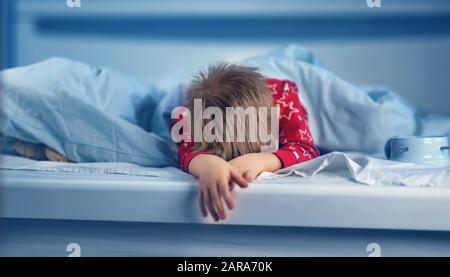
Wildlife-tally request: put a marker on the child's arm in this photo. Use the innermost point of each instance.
(215, 177)
(296, 142)
(251, 165)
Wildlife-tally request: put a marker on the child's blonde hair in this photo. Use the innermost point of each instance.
(229, 85)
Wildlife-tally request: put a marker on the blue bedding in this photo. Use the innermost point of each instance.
(89, 114)
(100, 115)
(344, 116)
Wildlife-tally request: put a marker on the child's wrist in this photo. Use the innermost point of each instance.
(194, 166)
(201, 164)
(270, 162)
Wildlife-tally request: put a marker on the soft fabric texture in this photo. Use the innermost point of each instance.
(358, 167)
(342, 116)
(11, 162)
(99, 115)
(369, 170)
(88, 114)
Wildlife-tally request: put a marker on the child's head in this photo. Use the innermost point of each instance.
(230, 85)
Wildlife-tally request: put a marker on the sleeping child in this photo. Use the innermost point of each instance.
(65, 110)
(220, 164)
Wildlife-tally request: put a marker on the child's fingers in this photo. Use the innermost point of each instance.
(232, 185)
(238, 179)
(249, 176)
(201, 200)
(226, 194)
(217, 201)
(209, 205)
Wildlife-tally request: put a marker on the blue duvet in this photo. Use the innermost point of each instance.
(97, 114)
(89, 114)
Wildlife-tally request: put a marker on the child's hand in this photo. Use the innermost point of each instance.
(216, 177)
(251, 165)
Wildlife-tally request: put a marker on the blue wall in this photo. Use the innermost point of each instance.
(403, 45)
(6, 47)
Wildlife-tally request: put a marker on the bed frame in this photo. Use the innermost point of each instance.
(128, 215)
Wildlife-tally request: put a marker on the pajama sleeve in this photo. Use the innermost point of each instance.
(185, 148)
(186, 154)
(296, 142)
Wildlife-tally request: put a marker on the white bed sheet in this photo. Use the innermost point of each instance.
(360, 167)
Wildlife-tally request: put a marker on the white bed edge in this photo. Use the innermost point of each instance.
(326, 200)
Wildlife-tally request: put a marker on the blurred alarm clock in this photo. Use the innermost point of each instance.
(434, 150)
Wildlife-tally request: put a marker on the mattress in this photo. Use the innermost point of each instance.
(329, 199)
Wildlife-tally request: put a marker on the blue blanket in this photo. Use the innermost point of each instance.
(88, 114)
(97, 114)
(343, 116)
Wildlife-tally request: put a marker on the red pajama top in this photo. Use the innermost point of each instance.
(296, 142)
